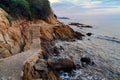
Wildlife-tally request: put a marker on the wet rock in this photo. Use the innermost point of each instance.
(86, 61)
(61, 64)
(76, 24)
(56, 50)
(61, 48)
(86, 26)
(88, 38)
(88, 34)
(80, 25)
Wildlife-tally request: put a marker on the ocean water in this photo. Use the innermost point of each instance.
(103, 47)
(107, 27)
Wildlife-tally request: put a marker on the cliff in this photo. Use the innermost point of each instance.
(17, 36)
(14, 38)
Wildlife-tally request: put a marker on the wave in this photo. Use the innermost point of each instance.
(113, 39)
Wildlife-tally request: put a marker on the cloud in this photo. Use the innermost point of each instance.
(90, 4)
(54, 1)
(97, 12)
(86, 7)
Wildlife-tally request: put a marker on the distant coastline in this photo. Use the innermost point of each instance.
(63, 18)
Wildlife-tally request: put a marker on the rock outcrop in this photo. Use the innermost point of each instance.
(50, 33)
(80, 25)
(41, 66)
(13, 38)
(61, 64)
(16, 36)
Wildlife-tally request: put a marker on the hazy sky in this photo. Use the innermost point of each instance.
(87, 8)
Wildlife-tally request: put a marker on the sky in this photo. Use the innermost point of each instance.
(87, 8)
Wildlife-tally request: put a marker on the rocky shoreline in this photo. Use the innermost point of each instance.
(61, 55)
(47, 68)
(19, 36)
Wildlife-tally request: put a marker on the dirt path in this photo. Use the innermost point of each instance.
(11, 67)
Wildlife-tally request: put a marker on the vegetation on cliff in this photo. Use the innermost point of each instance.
(28, 9)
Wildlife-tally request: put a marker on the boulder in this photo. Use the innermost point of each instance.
(40, 69)
(36, 68)
(86, 61)
(88, 34)
(61, 64)
(40, 65)
(86, 26)
(76, 24)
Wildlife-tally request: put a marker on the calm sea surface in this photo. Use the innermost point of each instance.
(107, 27)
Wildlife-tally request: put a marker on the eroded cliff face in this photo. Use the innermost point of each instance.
(42, 66)
(14, 37)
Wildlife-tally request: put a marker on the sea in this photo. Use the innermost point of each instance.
(103, 48)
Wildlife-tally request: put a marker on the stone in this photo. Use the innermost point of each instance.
(88, 34)
(80, 25)
(40, 65)
(86, 61)
(56, 50)
(76, 24)
(61, 64)
(86, 26)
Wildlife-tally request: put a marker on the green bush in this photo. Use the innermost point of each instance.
(26, 8)
(40, 8)
(23, 7)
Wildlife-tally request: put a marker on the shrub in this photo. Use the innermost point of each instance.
(26, 8)
(16, 8)
(40, 8)
(23, 8)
